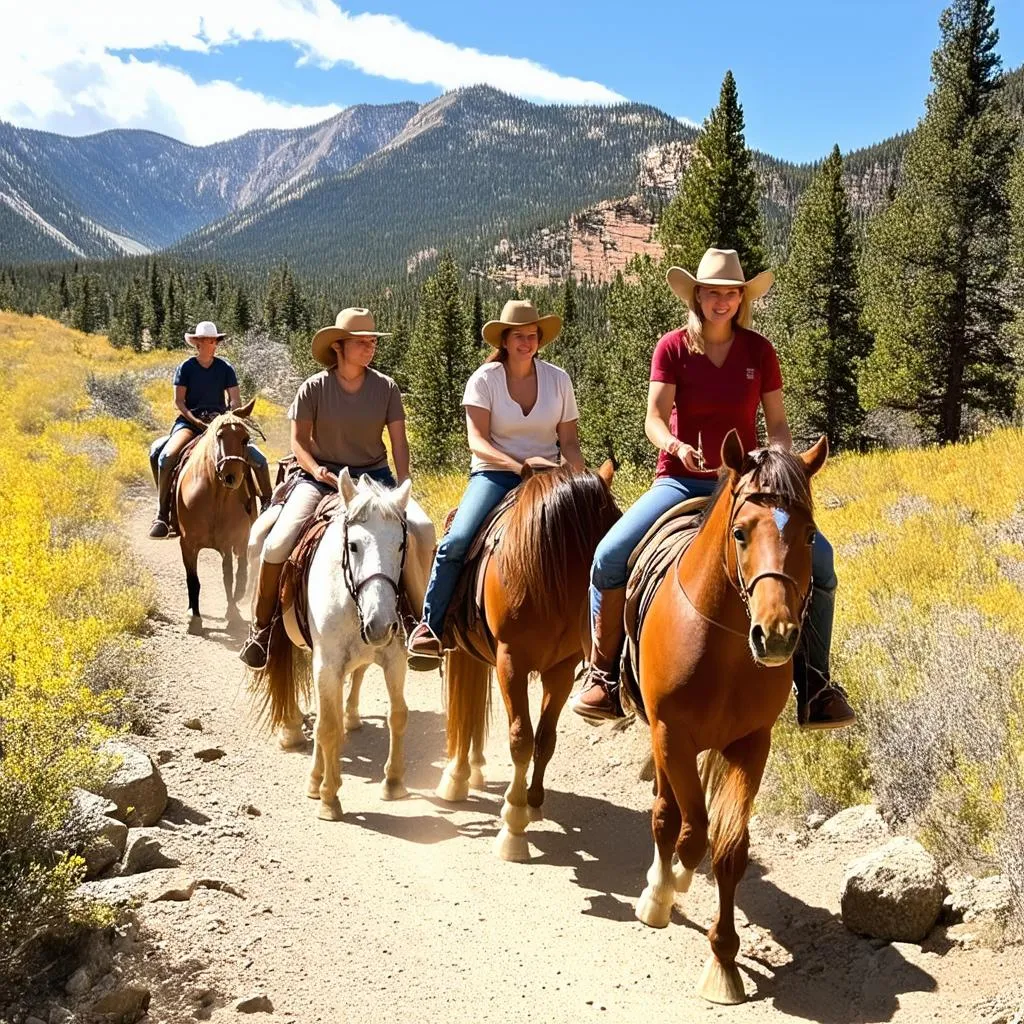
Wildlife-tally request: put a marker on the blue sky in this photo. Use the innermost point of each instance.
(809, 73)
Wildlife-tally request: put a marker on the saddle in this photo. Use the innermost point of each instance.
(652, 559)
(249, 483)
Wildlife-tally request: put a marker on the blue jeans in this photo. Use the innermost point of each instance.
(609, 570)
(483, 493)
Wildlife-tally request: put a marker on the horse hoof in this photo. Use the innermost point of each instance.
(393, 789)
(313, 789)
(512, 846)
(352, 723)
(292, 739)
(330, 810)
(651, 911)
(476, 779)
(721, 983)
(682, 877)
(452, 790)
(516, 818)
(195, 626)
(536, 813)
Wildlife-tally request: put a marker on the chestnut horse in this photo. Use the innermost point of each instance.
(535, 607)
(735, 600)
(215, 508)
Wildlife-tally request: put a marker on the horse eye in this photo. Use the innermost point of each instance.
(811, 536)
(353, 546)
(740, 536)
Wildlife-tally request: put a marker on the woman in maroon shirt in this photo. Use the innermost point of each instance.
(706, 379)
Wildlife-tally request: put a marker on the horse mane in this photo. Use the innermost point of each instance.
(773, 470)
(372, 498)
(552, 533)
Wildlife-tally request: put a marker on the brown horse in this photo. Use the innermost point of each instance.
(735, 600)
(215, 507)
(535, 607)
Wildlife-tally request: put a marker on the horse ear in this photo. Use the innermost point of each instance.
(815, 456)
(400, 496)
(245, 411)
(346, 488)
(607, 472)
(732, 452)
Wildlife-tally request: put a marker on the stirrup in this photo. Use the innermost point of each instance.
(160, 528)
(256, 649)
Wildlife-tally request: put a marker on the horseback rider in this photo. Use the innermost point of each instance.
(338, 420)
(706, 379)
(204, 387)
(518, 407)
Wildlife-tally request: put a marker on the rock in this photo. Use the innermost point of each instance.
(101, 839)
(985, 900)
(59, 1015)
(150, 887)
(165, 756)
(34, 1020)
(251, 810)
(862, 823)
(79, 983)
(144, 852)
(254, 1004)
(136, 786)
(122, 1006)
(893, 893)
(209, 754)
(815, 820)
(193, 723)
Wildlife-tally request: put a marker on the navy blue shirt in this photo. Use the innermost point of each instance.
(205, 387)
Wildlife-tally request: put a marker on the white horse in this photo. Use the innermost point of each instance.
(354, 621)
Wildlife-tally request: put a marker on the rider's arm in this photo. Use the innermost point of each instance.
(478, 427)
(179, 403)
(234, 397)
(569, 443)
(660, 397)
(399, 449)
(302, 443)
(775, 419)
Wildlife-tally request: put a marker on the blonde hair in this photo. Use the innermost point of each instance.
(695, 321)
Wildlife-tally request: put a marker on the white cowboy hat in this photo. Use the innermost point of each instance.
(521, 313)
(353, 322)
(204, 329)
(718, 267)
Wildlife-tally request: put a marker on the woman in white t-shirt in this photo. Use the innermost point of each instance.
(518, 407)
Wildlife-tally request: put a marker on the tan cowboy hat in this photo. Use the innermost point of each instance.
(718, 267)
(353, 322)
(204, 329)
(521, 313)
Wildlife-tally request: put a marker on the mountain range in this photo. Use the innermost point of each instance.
(527, 191)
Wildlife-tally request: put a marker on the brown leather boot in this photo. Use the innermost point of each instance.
(598, 700)
(161, 525)
(820, 703)
(254, 650)
(263, 485)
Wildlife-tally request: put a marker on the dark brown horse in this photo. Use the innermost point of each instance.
(215, 507)
(535, 606)
(715, 672)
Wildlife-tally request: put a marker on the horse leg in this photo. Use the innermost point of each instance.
(511, 843)
(678, 822)
(228, 572)
(557, 683)
(467, 685)
(352, 719)
(395, 666)
(241, 584)
(731, 804)
(477, 761)
(190, 559)
(328, 740)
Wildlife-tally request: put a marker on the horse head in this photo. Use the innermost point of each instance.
(771, 533)
(230, 439)
(374, 535)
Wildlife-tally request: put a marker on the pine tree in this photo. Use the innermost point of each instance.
(816, 316)
(717, 202)
(936, 260)
(155, 304)
(175, 317)
(64, 295)
(83, 304)
(126, 328)
(477, 322)
(1016, 276)
(441, 358)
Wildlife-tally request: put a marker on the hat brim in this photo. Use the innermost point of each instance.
(193, 338)
(682, 282)
(550, 327)
(320, 347)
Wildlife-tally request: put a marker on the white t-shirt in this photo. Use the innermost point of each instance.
(522, 437)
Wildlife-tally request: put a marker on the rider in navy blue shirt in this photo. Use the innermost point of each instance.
(204, 386)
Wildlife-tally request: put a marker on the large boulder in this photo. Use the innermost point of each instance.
(99, 838)
(859, 824)
(136, 785)
(893, 893)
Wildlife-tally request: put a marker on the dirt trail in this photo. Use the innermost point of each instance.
(402, 913)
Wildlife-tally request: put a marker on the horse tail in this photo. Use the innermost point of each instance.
(729, 801)
(276, 686)
(467, 696)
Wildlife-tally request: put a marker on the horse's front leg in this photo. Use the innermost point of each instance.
(557, 682)
(190, 559)
(328, 738)
(228, 572)
(514, 676)
(241, 584)
(395, 665)
(352, 719)
(730, 809)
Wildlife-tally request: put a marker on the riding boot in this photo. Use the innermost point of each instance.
(255, 649)
(263, 485)
(598, 700)
(820, 703)
(161, 525)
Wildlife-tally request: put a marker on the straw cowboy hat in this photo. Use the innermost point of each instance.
(353, 322)
(521, 313)
(718, 267)
(204, 329)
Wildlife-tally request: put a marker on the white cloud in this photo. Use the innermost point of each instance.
(58, 71)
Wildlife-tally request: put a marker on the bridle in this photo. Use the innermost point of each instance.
(354, 588)
(222, 459)
(743, 587)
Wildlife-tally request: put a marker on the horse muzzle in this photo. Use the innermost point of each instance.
(774, 645)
